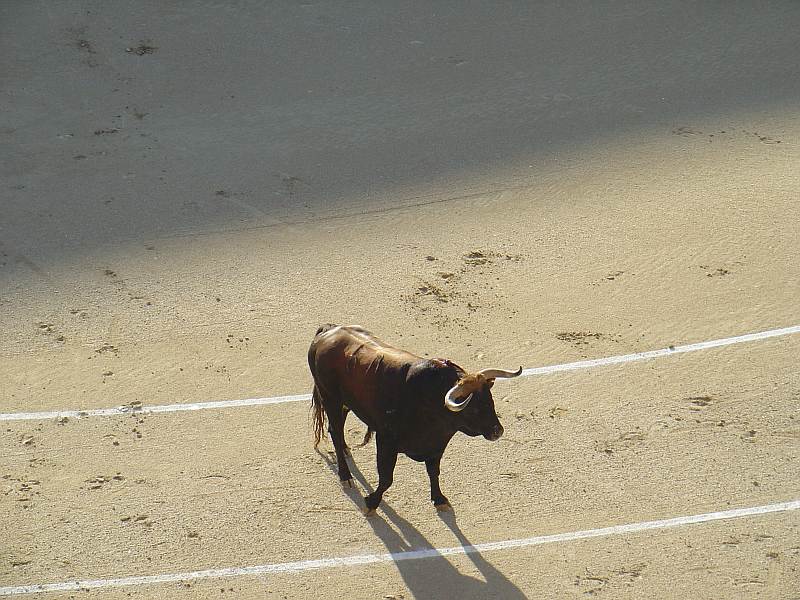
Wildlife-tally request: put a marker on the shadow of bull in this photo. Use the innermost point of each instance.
(430, 576)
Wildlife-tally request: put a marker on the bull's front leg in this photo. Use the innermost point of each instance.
(387, 459)
(437, 497)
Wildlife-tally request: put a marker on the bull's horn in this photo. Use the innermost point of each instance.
(450, 403)
(499, 373)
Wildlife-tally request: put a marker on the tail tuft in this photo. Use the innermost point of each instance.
(367, 438)
(318, 417)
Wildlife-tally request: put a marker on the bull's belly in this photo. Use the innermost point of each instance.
(420, 452)
(419, 457)
(419, 440)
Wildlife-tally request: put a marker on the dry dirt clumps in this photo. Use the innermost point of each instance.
(455, 292)
(584, 338)
(144, 47)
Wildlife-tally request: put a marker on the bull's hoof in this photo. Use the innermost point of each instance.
(368, 512)
(445, 507)
(348, 483)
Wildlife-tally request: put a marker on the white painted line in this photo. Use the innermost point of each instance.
(613, 360)
(583, 364)
(144, 409)
(366, 559)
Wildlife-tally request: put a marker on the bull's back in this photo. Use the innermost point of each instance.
(350, 362)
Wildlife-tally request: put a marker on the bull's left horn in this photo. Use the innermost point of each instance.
(499, 373)
(450, 403)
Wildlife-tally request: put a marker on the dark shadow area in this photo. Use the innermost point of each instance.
(125, 122)
(431, 576)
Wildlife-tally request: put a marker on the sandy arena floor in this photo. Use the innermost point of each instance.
(189, 190)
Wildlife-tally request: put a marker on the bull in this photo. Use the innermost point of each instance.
(413, 405)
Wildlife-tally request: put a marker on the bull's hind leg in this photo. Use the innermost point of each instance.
(336, 416)
(345, 412)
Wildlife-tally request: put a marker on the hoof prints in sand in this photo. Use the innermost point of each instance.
(452, 293)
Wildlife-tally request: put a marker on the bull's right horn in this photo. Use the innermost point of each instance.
(499, 373)
(452, 404)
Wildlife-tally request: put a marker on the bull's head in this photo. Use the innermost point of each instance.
(471, 396)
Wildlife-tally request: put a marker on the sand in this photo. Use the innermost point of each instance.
(189, 191)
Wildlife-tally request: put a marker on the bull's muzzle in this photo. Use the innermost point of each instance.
(495, 434)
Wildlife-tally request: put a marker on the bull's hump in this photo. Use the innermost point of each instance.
(445, 364)
(434, 371)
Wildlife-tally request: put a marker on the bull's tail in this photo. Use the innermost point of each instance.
(317, 416)
(317, 409)
(367, 437)
(324, 328)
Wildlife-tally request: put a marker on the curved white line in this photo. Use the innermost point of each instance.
(583, 364)
(365, 559)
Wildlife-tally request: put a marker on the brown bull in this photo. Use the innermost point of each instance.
(414, 405)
